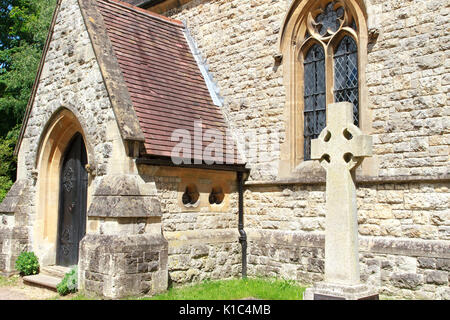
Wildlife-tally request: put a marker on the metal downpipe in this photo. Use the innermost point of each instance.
(242, 234)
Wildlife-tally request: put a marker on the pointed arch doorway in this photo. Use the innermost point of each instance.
(72, 202)
(63, 190)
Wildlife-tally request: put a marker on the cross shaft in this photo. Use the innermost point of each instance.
(341, 147)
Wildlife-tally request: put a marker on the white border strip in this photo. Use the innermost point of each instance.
(201, 62)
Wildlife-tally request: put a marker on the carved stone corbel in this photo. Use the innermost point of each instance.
(91, 170)
(373, 34)
(278, 57)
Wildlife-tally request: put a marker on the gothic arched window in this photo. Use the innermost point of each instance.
(329, 52)
(323, 46)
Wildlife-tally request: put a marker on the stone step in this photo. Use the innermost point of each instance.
(42, 280)
(54, 271)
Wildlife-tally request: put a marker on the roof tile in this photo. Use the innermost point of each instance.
(165, 83)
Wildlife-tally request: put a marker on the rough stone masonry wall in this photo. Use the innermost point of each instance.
(408, 82)
(408, 87)
(203, 241)
(239, 39)
(407, 77)
(71, 79)
(113, 265)
(286, 224)
(414, 211)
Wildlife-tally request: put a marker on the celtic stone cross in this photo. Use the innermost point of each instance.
(341, 147)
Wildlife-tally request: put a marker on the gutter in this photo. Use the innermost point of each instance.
(169, 163)
(147, 3)
(240, 171)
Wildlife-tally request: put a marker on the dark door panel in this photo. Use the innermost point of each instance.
(72, 202)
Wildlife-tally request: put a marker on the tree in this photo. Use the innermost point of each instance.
(23, 32)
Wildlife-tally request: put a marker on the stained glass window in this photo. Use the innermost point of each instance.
(329, 20)
(328, 62)
(314, 82)
(346, 74)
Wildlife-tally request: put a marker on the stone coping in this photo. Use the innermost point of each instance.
(125, 207)
(13, 197)
(120, 98)
(381, 245)
(209, 236)
(360, 180)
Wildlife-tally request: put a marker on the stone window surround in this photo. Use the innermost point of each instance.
(292, 45)
(192, 196)
(217, 195)
(204, 182)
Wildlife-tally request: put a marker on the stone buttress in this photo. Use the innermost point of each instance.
(127, 255)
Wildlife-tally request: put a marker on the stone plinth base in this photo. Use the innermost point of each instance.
(14, 238)
(116, 266)
(330, 291)
(13, 241)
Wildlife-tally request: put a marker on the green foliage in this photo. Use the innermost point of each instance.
(31, 20)
(25, 28)
(27, 264)
(5, 185)
(16, 84)
(23, 31)
(7, 161)
(69, 284)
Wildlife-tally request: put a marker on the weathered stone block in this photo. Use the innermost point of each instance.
(426, 263)
(443, 264)
(316, 265)
(124, 196)
(15, 197)
(124, 207)
(115, 261)
(199, 251)
(387, 265)
(407, 280)
(14, 241)
(124, 185)
(436, 277)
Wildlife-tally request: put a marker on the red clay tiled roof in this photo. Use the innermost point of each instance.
(166, 86)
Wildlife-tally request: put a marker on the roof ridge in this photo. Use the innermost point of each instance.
(146, 12)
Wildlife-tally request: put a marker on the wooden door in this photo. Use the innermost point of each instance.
(72, 202)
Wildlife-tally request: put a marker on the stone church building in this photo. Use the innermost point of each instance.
(169, 141)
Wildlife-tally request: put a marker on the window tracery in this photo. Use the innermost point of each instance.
(329, 52)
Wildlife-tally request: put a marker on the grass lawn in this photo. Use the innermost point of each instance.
(259, 288)
(8, 281)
